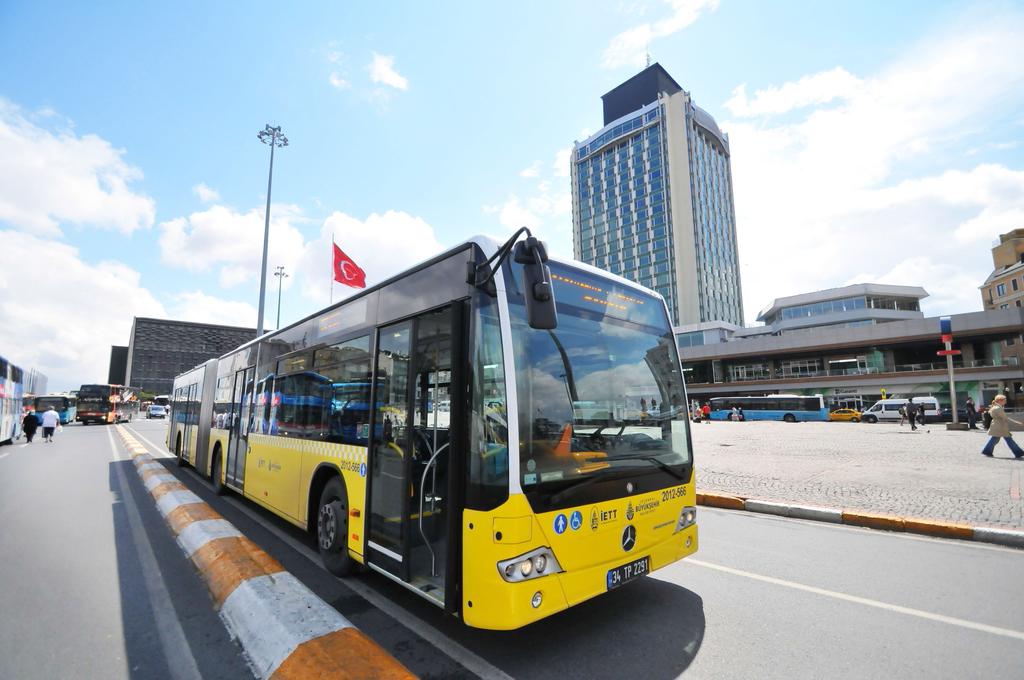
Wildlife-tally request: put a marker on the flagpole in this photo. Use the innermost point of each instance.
(332, 267)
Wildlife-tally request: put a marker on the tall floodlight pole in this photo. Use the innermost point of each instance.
(273, 137)
(281, 276)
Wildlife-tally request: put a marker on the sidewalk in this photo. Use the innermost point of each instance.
(932, 473)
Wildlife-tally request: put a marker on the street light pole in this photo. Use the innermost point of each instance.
(281, 276)
(271, 136)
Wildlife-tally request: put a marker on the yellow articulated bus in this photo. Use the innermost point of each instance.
(503, 434)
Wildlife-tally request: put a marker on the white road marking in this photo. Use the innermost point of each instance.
(951, 620)
(272, 615)
(199, 533)
(899, 535)
(157, 451)
(4, 455)
(178, 655)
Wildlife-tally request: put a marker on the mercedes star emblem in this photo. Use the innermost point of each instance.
(628, 537)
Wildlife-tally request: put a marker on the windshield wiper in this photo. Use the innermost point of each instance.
(607, 473)
(654, 459)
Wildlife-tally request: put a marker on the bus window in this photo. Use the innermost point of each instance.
(488, 447)
(345, 368)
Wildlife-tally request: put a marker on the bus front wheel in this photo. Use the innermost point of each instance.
(332, 529)
(177, 452)
(789, 418)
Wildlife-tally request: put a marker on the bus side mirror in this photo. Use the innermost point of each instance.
(541, 312)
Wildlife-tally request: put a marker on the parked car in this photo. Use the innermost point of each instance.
(845, 415)
(156, 411)
(946, 415)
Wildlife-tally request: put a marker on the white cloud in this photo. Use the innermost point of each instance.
(949, 286)
(205, 193)
(546, 210)
(563, 159)
(629, 48)
(382, 245)
(220, 237)
(197, 306)
(820, 88)
(336, 58)
(532, 171)
(852, 180)
(382, 70)
(49, 178)
(64, 324)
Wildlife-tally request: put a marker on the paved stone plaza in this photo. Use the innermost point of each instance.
(932, 473)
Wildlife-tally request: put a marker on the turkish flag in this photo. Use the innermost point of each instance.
(346, 271)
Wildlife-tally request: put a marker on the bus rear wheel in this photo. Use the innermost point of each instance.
(789, 418)
(177, 451)
(332, 529)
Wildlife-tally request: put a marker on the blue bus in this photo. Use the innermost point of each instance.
(63, 404)
(790, 408)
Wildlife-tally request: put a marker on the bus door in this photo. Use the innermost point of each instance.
(411, 478)
(188, 423)
(241, 425)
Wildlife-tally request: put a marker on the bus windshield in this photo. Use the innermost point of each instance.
(601, 397)
(94, 398)
(58, 403)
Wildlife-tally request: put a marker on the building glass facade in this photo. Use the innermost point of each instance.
(670, 227)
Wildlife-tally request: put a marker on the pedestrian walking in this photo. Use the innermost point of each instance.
(739, 414)
(972, 414)
(734, 415)
(51, 419)
(911, 409)
(705, 411)
(1000, 428)
(29, 425)
(903, 415)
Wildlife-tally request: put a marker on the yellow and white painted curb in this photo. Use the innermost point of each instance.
(914, 525)
(284, 628)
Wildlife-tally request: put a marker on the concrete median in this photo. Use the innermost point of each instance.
(885, 522)
(285, 630)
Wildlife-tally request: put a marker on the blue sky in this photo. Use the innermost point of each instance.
(870, 141)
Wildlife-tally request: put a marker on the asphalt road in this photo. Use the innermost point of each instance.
(764, 597)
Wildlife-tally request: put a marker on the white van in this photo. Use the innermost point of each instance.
(889, 409)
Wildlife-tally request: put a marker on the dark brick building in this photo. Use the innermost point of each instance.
(160, 349)
(118, 365)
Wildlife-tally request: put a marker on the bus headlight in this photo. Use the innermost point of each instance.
(534, 564)
(687, 517)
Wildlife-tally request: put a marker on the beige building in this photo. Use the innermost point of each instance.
(1004, 289)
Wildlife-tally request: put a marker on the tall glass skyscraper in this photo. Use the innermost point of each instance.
(652, 199)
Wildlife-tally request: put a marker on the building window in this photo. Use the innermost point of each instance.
(1013, 284)
(1001, 289)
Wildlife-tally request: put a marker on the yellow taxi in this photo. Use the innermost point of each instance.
(845, 415)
